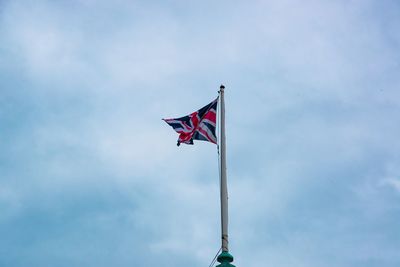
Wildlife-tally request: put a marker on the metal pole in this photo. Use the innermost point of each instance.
(224, 189)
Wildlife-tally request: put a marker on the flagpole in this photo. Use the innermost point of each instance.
(224, 258)
(224, 187)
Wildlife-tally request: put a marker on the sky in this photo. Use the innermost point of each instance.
(91, 176)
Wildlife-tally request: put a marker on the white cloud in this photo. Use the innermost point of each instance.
(392, 182)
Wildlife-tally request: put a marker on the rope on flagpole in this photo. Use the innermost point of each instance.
(215, 258)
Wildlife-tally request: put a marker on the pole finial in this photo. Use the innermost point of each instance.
(225, 260)
(222, 87)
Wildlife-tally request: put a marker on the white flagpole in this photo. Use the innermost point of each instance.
(223, 185)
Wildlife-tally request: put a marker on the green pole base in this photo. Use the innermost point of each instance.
(225, 260)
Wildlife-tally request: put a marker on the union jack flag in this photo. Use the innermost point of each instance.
(199, 125)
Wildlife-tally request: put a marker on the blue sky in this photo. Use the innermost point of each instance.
(91, 176)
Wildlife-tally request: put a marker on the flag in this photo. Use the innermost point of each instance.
(199, 125)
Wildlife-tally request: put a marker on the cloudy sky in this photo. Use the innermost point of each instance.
(91, 176)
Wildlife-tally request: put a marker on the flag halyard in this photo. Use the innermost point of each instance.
(199, 125)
